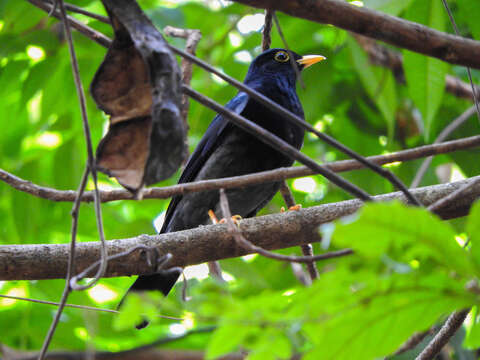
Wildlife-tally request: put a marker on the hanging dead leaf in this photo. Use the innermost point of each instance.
(138, 85)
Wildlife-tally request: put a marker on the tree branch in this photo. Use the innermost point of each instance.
(453, 323)
(210, 243)
(238, 181)
(387, 28)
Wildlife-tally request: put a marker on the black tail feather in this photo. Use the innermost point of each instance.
(162, 281)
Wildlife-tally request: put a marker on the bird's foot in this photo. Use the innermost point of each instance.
(235, 218)
(296, 207)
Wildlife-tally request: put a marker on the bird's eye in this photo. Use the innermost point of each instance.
(282, 56)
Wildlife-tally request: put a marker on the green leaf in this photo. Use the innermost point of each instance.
(472, 338)
(473, 232)
(378, 82)
(404, 234)
(130, 313)
(383, 315)
(227, 338)
(469, 12)
(425, 75)
(392, 7)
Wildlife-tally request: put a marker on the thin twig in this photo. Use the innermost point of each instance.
(75, 306)
(453, 196)
(441, 137)
(247, 245)
(93, 34)
(237, 181)
(214, 268)
(88, 140)
(70, 266)
(79, 10)
(307, 249)
(155, 264)
(267, 30)
(193, 37)
(298, 121)
(277, 143)
(469, 72)
(453, 323)
(293, 118)
(292, 60)
(90, 169)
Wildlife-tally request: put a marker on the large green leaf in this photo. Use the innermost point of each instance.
(378, 82)
(227, 338)
(469, 12)
(404, 234)
(383, 315)
(473, 233)
(426, 75)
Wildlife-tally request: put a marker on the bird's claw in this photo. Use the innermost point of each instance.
(295, 207)
(235, 218)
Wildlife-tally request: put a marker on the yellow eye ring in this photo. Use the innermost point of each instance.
(281, 56)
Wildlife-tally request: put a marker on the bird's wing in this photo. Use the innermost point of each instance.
(204, 149)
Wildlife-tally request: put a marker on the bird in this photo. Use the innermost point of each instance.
(226, 150)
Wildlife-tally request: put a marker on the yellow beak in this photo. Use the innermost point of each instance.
(309, 60)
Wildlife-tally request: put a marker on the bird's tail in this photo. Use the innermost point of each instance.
(162, 281)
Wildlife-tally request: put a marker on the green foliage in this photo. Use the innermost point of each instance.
(392, 7)
(378, 82)
(425, 75)
(408, 271)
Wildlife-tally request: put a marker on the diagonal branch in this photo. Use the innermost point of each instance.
(213, 242)
(453, 323)
(278, 144)
(237, 181)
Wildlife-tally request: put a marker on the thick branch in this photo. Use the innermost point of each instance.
(209, 243)
(227, 183)
(390, 29)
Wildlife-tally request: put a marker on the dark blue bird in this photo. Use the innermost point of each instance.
(226, 150)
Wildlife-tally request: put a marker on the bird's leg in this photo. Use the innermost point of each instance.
(295, 207)
(212, 216)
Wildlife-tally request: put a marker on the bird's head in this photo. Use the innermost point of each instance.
(280, 62)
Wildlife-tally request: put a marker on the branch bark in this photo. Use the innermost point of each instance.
(387, 28)
(210, 243)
